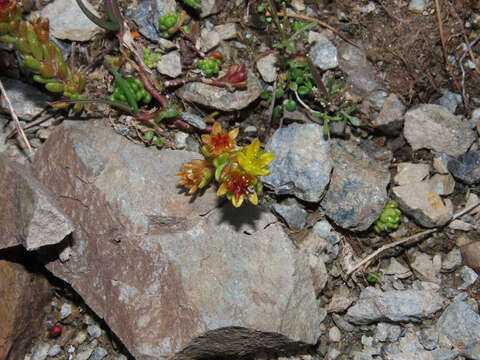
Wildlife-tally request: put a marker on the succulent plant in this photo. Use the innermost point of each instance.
(389, 218)
(236, 169)
(40, 56)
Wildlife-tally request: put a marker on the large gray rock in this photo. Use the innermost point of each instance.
(358, 188)
(30, 215)
(68, 22)
(434, 127)
(220, 98)
(302, 164)
(461, 325)
(375, 305)
(165, 272)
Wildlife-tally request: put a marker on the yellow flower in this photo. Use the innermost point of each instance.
(219, 141)
(254, 161)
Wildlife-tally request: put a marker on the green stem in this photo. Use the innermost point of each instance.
(276, 20)
(122, 84)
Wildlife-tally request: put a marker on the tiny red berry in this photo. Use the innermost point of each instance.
(55, 331)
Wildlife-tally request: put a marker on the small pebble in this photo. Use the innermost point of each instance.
(80, 338)
(98, 354)
(65, 311)
(334, 334)
(54, 351)
(94, 331)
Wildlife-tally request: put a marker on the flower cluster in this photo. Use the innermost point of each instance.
(40, 56)
(235, 168)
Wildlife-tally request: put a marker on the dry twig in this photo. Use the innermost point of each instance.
(444, 48)
(15, 119)
(409, 238)
(321, 23)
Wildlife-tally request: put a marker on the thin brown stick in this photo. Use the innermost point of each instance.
(321, 23)
(15, 119)
(31, 124)
(444, 47)
(409, 238)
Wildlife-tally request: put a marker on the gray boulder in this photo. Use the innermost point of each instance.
(170, 273)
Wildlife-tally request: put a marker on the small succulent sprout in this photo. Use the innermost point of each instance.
(374, 278)
(298, 25)
(148, 136)
(210, 66)
(236, 75)
(168, 113)
(151, 59)
(167, 22)
(389, 218)
(193, 3)
(277, 111)
(137, 89)
(290, 105)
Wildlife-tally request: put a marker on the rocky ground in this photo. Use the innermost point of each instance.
(103, 256)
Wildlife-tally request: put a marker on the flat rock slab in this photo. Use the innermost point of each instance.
(375, 305)
(434, 127)
(220, 98)
(302, 164)
(358, 188)
(166, 271)
(30, 215)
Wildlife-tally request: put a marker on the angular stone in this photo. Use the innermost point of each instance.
(408, 173)
(266, 68)
(302, 165)
(227, 31)
(471, 255)
(442, 184)
(425, 267)
(466, 167)
(210, 7)
(324, 54)
(170, 64)
(434, 127)
(360, 72)
(460, 324)
(208, 40)
(30, 215)
(27, 100)
(220, 98)
(390, 119)
(68, 22)
(423, 204)
(375, 305)
(358, 188)
(294, 215)
(23, 294)
(170, 273)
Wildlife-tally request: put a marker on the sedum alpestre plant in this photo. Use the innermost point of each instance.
(40, 56)
(236, 169)
(389, 218)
